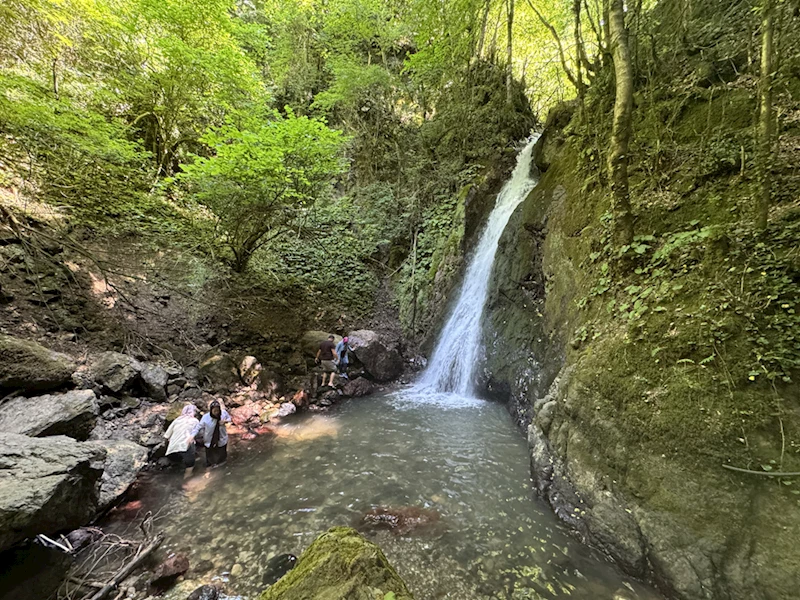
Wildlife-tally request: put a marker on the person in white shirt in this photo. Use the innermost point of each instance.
(180, 435)
(215, 437)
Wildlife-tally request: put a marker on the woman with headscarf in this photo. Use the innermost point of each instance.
(215, 437)
(180, 435)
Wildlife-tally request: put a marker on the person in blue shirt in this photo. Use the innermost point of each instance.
(215, 436)
(342, 351)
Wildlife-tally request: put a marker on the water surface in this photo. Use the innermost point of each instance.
(463, 458)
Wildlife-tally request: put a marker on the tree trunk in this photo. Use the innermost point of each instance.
(621, 130)
(510, 52)
(765, 114)
(484, 22)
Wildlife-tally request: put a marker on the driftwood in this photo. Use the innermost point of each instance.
(761, 473)
(129, 568)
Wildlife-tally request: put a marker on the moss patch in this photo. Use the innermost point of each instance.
(340, 565)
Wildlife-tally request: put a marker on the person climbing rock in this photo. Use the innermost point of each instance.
(180, 436)
(215, 436)
(343, 351)
(326, 355)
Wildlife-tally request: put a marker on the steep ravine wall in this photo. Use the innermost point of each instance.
(696, 530)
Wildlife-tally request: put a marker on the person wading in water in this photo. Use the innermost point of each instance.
(326, 355)
(180, 436)
(215, 436)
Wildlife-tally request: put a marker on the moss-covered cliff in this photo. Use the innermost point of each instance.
(640, 371)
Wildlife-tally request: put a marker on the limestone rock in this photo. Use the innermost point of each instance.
(154, 381)
(115, 372)
(340, 565)
(221, 370)
(30, 367)
(124, 461)
(46, 485)
(72, 413)
(358, 388)
(380, 357)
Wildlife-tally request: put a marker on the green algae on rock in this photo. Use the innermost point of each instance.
(340, 565)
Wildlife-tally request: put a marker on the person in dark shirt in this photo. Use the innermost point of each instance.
(326, 357)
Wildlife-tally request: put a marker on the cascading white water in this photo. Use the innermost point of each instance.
(453, 362)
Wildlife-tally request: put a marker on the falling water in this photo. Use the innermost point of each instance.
(453, 362)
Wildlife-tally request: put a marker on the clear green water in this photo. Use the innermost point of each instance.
(463, 458)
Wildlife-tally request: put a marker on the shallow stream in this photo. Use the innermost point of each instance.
(462, 458)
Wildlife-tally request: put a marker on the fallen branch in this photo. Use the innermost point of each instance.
(761, 473)
(126, 570)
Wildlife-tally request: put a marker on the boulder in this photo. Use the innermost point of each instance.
(249, 369)
(124, 461)
(312, 339)
(286, 409)
(46, 485)
(401, 520)
(115, 372)
(358, 387)
(380, 357)
(154, 381)
(72, 413)
(30, 367)
(248, 415)
(167, 572)
(221, 370)
(340, 565)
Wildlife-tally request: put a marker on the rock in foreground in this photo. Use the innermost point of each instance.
(46, 485)
(340, 565)
(72, 414)
(29, 366)
(124, 461)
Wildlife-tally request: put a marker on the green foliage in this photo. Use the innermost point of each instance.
(259, 182)
(73, 156)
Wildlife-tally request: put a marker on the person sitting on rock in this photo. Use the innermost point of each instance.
(343, 351)
(215, 436)
(326, 355)
(180, 435)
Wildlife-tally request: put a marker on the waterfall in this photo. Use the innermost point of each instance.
(452, 365)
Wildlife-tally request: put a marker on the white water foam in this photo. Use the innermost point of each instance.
(452, 366)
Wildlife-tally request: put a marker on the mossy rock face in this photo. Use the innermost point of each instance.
(28, 366)
(340, 565)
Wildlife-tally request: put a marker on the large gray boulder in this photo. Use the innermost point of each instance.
(154, 381)
(46, 485)
(115, 372)
(30, 367)
(381, 357)
(72, 413)
(124, 461)
(340, 565)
